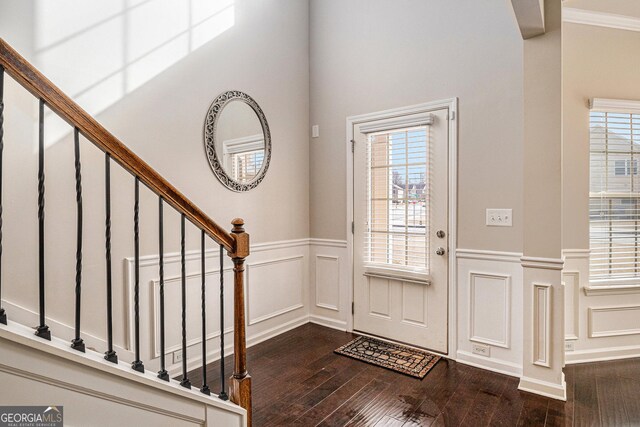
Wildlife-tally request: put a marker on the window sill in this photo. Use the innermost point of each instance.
(397, 274)
(611, 290)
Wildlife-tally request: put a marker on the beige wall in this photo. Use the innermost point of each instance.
(148, 72)
(597, 63)
(372, 55)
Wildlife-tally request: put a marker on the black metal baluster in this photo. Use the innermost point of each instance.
(137, 364)
(43, 330)
(3, 314)
(162, 373)
(110, 354)
(77, 343)
(185, 381)
(205, 387)
(223, 393)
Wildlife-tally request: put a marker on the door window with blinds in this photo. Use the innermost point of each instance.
(398, 199)
(614, 195)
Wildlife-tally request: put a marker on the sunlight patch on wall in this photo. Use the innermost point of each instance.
(97, 52)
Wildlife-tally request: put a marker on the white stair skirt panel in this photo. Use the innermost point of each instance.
(92, 390)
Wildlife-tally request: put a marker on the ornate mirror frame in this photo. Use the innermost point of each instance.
(210, 126)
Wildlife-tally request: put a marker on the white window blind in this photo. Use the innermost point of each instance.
(397, 227)
(614, 196)
(247, 165)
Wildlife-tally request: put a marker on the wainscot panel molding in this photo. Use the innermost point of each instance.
(489, 291)
(276, 289)
(571, 281)
(601, 321)
(330, 290)
(490, 308)
(542, 324)
(614, 321)
(327, 279)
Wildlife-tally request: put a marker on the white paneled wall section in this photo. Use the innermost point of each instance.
(489, 305)
(601, 322)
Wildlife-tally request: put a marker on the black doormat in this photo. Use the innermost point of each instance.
(399, 358)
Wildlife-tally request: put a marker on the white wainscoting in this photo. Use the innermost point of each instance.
(601, 323)
(330, 287)
(489, 292)
(542, 324)
(276, 298)
(571, 280)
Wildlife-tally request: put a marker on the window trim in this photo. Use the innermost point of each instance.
(613, 106)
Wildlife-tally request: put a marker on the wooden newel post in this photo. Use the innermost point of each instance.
(240, 386)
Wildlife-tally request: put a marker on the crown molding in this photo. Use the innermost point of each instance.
(600, 19)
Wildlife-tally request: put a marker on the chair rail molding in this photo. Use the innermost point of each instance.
(600, 19)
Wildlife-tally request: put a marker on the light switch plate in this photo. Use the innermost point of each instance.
(499, 218)
(315, 131)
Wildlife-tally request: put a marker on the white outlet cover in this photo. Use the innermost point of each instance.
(177, 356)
(481, 349)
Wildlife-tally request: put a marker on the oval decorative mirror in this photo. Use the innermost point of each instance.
(237, 140)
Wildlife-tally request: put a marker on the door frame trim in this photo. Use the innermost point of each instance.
(452, 105)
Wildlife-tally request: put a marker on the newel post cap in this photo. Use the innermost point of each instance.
(242, 239)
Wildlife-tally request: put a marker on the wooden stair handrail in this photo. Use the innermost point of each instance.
(41, 87)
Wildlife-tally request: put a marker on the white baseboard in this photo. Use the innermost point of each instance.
(499, 366)
(340, 325)
(544, 388)
(601, 354)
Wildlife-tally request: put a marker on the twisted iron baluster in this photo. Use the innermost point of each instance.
(110, 354)
(185, 380)
(77, 343)
(223, 391)
(162, 373)
(205, 387)
(3, 314)
(43, 330)
(137, 364)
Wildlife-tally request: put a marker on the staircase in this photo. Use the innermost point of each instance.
(42, 363)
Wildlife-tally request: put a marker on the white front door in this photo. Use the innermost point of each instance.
(401, 228)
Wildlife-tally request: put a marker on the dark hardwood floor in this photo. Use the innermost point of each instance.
(298, 380)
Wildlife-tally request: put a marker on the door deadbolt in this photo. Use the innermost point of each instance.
(440, 251)
(440, 234)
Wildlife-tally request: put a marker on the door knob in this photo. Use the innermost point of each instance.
(440, 234)
(440, 251)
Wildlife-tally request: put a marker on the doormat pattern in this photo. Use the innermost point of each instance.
(399, 358)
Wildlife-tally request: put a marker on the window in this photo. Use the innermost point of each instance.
(614, 195)
(626, 167)
(398, 191)
(246, 165)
